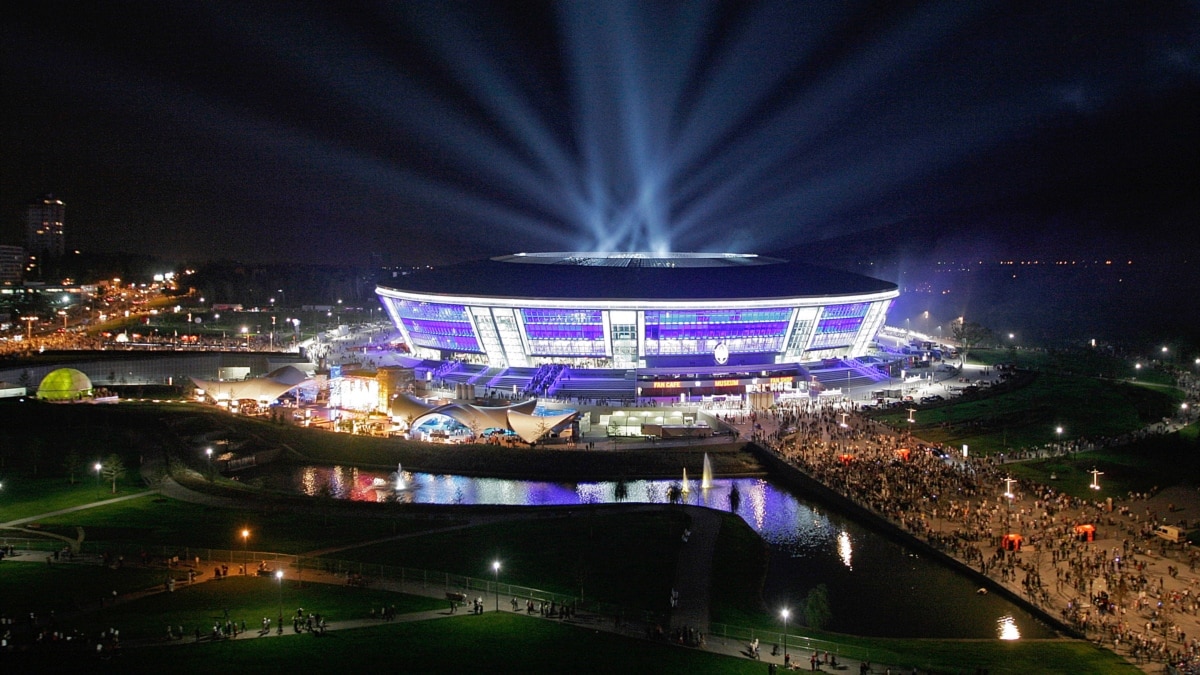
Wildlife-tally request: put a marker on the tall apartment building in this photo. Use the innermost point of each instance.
(12, 265)
(44, 227)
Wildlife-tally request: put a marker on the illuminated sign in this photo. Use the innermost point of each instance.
(726, 383)
(665, 385)
(781, 380)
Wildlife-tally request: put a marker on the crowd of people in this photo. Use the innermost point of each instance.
(1037, 541)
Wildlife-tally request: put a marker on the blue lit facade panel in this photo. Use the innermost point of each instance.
(742, 331)
(836, 332)
(564, 332)
(438, 326)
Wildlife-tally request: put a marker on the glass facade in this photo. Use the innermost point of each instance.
(742, 331)
(569, 332)
(624, 337)
(437, 326)
(839, 325)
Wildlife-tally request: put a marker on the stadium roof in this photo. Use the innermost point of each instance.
(639, 276)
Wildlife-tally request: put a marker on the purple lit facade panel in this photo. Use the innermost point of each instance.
(572, 332)
(700, 331)
(438, 326)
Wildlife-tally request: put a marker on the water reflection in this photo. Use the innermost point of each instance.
(1006, 628)
(844, 551)
(876, 586)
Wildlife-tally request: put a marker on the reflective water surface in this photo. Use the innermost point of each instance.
(876, 586)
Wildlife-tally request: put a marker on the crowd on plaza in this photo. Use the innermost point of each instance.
(1029, 537)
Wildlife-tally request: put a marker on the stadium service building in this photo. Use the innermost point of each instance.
(636, 310)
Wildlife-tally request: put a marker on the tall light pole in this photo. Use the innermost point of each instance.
(208, 451)
(279, 576)
(245, 547)
(785, 613)
(496, 572)
(98, 467)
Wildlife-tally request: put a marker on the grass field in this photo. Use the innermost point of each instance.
(158, 521)
(624, 558)
(515, 643)
(37, 587)
(1029, 415)
(247, 598)
(1082, 362)
(1137, 467)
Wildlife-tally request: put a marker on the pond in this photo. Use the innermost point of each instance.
(876, 586)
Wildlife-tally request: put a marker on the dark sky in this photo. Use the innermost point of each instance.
(425, 131)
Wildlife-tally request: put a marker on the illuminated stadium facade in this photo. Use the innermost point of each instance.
(636, 310)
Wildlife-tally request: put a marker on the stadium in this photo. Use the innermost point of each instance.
(654, 318)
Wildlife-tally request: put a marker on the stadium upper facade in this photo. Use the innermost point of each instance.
(627, 310)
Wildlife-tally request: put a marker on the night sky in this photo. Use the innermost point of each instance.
(428, 131)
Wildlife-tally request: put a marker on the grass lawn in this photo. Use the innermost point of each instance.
(739, 567)
(625, 558)
(1082, 406)
(1085, 362)
(247, 598)
(26, 586)
(511, 643)
(26, 495)
(155, 521)
(1137, 467)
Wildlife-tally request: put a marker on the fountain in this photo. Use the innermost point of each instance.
(686, 488)
(400, 484)
(706, 476)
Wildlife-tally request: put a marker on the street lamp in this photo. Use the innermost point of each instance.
(208, 451)
(785, 613)
(245, 547)
(98, 467)
(496, 572)
(279, 576)
(1008, 483)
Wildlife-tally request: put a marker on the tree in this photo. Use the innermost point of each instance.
(113, 469)
(968, 334)
(73, 463)
(816, 607)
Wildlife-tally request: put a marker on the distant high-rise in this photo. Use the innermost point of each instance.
(44, 227)
(12, 264)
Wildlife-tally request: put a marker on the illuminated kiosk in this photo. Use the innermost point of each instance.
(676, 311)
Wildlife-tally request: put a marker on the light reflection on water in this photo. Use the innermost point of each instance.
(887, 591)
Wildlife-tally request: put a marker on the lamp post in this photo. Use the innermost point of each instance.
(208, 451)
(785, 613)
(98, 467)
(245, 547)
(279, 576)
(496, 572)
